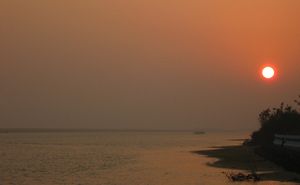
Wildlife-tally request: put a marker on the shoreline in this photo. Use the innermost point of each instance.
(244, 159)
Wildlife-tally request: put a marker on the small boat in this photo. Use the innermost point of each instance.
(199, 132)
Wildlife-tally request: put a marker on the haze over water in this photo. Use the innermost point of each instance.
(145, 64)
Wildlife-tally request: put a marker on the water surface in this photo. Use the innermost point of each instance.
(105, 157)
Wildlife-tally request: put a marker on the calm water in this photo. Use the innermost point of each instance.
(99, 157)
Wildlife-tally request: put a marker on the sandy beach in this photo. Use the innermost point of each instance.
(139, 158)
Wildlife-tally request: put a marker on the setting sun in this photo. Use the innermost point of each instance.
(268, 72)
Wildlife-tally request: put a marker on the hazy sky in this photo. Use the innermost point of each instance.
(145, 64)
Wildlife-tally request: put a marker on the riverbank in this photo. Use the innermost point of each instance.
(243, 159)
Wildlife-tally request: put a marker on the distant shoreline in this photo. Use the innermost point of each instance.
(65, 130)
(43, 130)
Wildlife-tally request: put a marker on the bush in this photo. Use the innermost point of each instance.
(282, 120)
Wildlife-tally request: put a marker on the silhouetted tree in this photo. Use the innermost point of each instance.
(282, 120)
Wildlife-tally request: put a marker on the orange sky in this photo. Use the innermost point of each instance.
(156, 64)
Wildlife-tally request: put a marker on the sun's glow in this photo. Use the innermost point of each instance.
(268, 72)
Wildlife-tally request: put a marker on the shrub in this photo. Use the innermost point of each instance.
(282, 120)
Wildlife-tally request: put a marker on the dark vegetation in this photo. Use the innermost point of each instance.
(284, 120)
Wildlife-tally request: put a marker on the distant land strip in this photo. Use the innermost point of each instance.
(38, 130)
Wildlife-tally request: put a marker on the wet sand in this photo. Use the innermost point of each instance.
(131, 159)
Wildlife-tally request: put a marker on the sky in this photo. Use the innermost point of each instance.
(145, 64)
